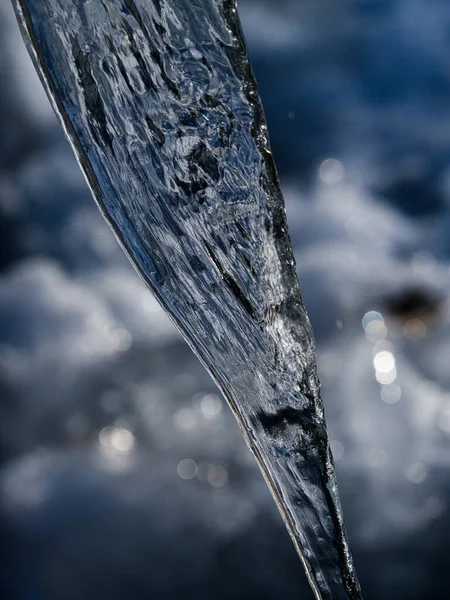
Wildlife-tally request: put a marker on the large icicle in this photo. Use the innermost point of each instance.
(160, 104)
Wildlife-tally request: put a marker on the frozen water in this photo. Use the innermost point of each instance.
(160, 104)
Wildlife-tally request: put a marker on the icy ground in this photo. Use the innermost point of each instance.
(124, 475)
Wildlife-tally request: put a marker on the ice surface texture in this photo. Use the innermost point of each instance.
(160, 104)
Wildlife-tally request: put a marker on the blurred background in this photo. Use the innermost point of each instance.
(123, 473)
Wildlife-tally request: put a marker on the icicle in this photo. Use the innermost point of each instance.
(160, 104)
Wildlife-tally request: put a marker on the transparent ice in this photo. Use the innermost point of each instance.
(160, 104)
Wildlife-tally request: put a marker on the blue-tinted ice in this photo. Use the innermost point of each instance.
(160, 104)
